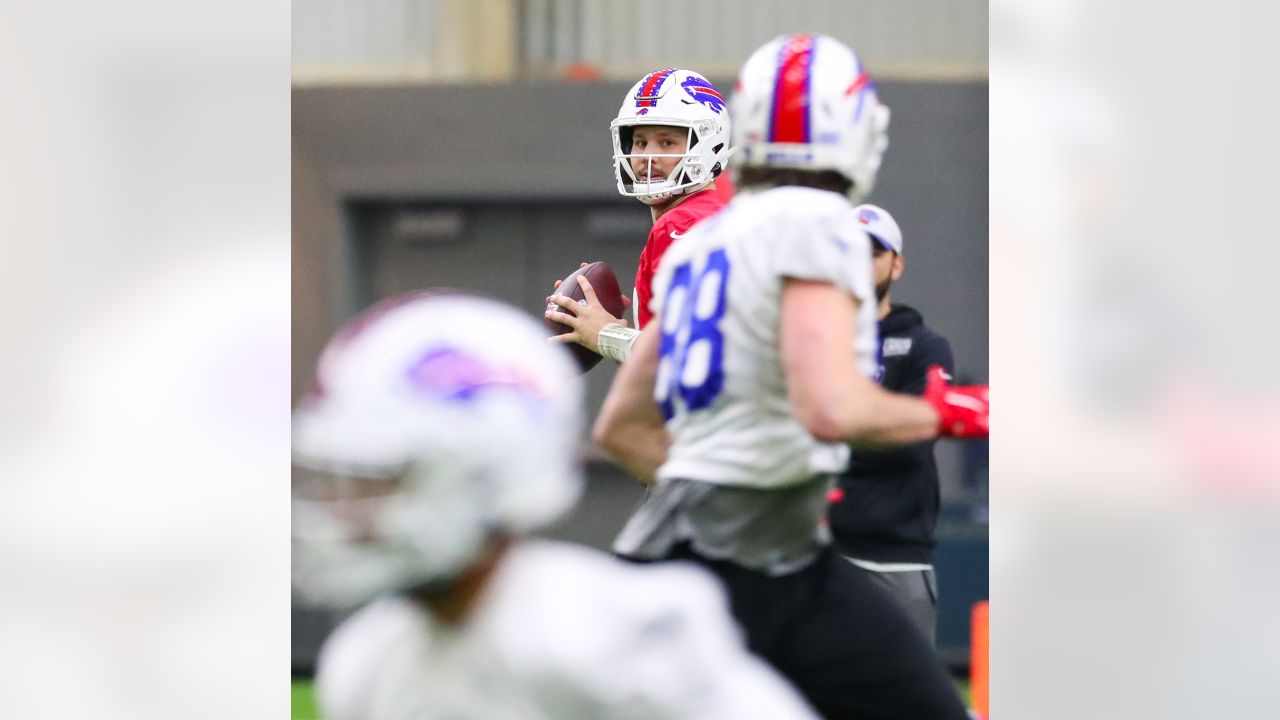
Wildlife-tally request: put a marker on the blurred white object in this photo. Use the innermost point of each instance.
(440, 429)
(458, 408)
(806, 102)
(562, 633)
(134, 515)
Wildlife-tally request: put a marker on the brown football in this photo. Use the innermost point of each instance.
(605, 284)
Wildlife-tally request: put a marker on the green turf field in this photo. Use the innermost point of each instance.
(304, 701)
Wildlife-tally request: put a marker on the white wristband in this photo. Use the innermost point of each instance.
(615, 341)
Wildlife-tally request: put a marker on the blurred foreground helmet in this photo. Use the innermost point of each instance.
(435, 420)
(682, 99)
(804, 102)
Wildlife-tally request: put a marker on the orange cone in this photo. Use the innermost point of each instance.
(979, 657)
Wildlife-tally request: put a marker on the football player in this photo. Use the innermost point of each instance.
(670, 143)
(423, 454)
(742, 395)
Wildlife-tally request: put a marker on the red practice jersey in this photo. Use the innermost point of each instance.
(669, 228)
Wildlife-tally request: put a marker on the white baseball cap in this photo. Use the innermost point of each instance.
(880, 225)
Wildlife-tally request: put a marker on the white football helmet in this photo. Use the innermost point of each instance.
(679, 98)
(805, 102)
(422, 435)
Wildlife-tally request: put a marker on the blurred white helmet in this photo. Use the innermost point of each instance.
(679, 98)
(435, 420)
(805, 102)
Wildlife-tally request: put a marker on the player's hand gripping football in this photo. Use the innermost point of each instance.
(556, 285)
(963, 411)
(585, 321)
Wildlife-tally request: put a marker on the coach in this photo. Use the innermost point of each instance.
(885, 505)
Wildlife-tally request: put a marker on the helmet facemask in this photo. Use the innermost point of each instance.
(358, 535)
(697, 166)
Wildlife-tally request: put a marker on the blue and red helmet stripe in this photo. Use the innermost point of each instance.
(649, 87)
(789, 116)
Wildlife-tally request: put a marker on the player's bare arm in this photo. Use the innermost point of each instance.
(828, 396)
(630, 426)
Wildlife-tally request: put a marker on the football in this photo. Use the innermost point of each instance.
(605, 284)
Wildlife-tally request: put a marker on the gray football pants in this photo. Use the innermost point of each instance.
(916, 591)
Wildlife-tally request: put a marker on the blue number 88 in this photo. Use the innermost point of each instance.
(691, 355)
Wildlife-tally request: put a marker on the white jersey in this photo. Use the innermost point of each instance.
(562, 632)
(718, 293)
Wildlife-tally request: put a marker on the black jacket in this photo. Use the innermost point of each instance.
(887, 506)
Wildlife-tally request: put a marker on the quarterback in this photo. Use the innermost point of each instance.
(670, 143)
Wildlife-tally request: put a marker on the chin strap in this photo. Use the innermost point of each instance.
(615, 341)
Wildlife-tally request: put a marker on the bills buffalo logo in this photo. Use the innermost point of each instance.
(704, 92)
(454, 374)
(867, 215)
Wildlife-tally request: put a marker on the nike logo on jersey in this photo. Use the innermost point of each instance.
(677, 236)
